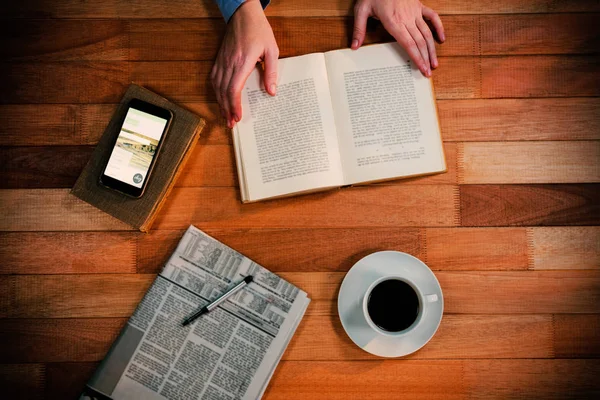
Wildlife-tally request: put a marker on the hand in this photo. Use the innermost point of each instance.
(248, 39)
(403, 19)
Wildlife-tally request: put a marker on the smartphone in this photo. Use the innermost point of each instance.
(134, 154)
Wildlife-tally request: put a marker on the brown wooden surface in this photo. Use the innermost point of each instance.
(512, 230)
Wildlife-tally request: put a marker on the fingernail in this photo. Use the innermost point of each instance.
(273, 88)
(442, 37)
(237, 118)
(435, 64)
(355, 43)
(428, 71)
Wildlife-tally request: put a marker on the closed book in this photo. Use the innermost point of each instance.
(177, 147)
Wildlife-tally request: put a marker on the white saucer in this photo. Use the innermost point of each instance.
(355, 284)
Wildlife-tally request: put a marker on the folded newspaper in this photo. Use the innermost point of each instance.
(229, 353)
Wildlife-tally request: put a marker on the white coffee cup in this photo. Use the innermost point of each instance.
(425, 300)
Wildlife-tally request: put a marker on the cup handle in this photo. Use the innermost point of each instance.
(431, 298)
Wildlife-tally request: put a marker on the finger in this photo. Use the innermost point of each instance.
(422, 45)
(361, 14)
(424, 29)
(270, 77)
(217, 76)
(224, 89)
(234, 90)
(436, 21)
(405, 40)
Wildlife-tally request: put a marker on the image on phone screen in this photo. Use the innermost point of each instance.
(135, 148)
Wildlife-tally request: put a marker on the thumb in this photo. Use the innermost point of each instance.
(361, 14)
(270, 77)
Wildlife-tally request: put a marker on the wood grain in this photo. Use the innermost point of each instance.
(56, 209)
(476, 248)
(577, 336)
(288, 8)
(58, 339)
(481, 292)
(530, 162)
(456, 78)
(532, 379)
(290, 249)
(42, 167)
(497, 205)
(461, 120)
(199, 39)
(348, 380)
(22, 381)
(540, 76)
(420, 205)
(565, 248)
(519, 119)
(50, 296)
(51, 210)
(79, 253)
(319, 338)
(284, 249)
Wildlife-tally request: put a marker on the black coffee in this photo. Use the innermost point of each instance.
(393, 305)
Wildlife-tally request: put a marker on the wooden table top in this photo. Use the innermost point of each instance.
(511, 230)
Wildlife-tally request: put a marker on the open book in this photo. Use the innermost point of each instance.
(344, 117)
(229, 353)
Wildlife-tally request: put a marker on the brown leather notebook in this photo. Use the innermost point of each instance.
(176, 149)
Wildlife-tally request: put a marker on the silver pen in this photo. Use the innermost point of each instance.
(212, 305)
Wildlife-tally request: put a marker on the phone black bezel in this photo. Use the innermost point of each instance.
(121, 186)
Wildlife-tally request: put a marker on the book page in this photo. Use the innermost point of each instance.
(385, 114)
(287, 143)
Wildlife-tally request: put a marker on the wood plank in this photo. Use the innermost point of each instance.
(495, 205)
(461, 120)
(521, 292)
(68, 252)
(42, 167)
(420, 205)
(368, 379)
(456, 78)
(52, 210)
(540, 76)
(538, 34)
(565, 248)
(67, 380)
(195, 39)
(58, 339)
(279, 250)
(286, 8)
(322, 338)
(520, 119)
(39, 125)
(476, 248)
(71, 296)
(62, 40)
(67, 82)
(577, 336)
(481, 292)
(529, 162)
(290, 249)
(532, 379)
(319, 338)
(22, 381)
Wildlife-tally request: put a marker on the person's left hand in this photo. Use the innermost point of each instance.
(404, 20)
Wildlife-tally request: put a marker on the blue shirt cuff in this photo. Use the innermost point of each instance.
(228, 7)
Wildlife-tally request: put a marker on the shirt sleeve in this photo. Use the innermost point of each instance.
(228, 7)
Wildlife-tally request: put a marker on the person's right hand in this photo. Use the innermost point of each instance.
(248, 40)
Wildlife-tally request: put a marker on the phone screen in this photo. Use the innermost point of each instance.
(136, 146)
